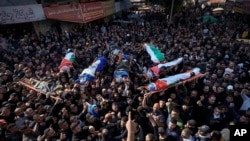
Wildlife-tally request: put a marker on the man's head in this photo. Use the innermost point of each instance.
(19, 112)
(156, 107)
(25, 129)
(29, 112)
(203, 130)
(172, 124)
(186, 133)
(105, 133)
(161, 131)
(115, 106)
(191, 123)
(206, 89)
(217, 111)
(90, 118)
(5, 111)
(75, 127)
(124, 120)
(150, 137)
(12, 128)
(175, 114)
(162, 103)
(49, 132)
(63, 124)
(212, 99)
(244, 119)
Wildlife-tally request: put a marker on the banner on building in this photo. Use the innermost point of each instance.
(71, 13)
(108, 7)
(92, 11)
(21, 14)
(217, 1)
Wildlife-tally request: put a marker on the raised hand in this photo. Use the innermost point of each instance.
(131, 125)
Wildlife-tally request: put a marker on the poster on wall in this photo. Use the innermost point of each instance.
(92, 11)
(21, 14)
(71, 13)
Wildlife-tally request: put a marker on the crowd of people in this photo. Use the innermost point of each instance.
(201, 110)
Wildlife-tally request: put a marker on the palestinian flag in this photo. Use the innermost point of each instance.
(156, 69)
(88, 74)
(163, 83)
(67, 61)
(155, 54)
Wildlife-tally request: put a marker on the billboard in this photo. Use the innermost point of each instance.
(71, 13)
(21, 14)
(92, 11)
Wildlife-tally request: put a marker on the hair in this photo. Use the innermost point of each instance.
(151, 137)
(23, 127)
(115, 103)
(73, 125)
(124, 118)
(174, 121)
(11, 125)
(176, 110)
(61, 121)
(19, 103)
(46, 131)
(187, 130)
(105, 133)
(216, 135)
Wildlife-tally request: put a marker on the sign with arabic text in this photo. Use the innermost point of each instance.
(21, 14)
(71, 13)
(92, 11)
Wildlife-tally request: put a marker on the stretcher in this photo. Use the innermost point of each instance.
(193, 78)
(37, 86)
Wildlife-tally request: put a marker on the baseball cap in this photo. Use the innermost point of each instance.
(204, 128)
(191, 122)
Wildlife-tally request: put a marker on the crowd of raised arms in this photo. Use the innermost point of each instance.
(143, 81)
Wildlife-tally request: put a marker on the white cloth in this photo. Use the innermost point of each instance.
(176, 78)
(171, 63)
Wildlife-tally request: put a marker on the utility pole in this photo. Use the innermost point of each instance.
(171, 12)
